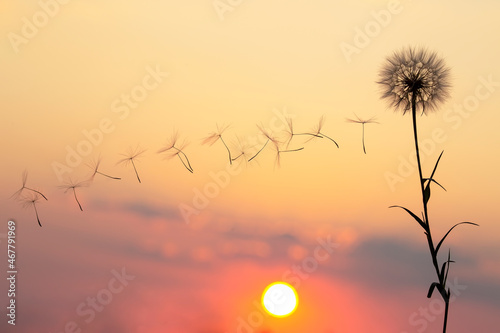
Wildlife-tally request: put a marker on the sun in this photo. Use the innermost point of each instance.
(280, 299)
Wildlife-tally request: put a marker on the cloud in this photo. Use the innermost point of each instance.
(149, 211)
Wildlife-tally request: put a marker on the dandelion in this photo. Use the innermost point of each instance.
(31, 201)
(291, 133)
(24, 180)
(174, 149)
(417, 80)
(130, 156)
(95, 166)
(71, 185)
(242, 148)
(215, 136)
(362, 122)
(269, 137)
(319, 134)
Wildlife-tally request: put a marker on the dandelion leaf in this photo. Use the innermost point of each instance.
(418, 219)
(434, 181)
(446, 235)
(427, 193)
(437, 285)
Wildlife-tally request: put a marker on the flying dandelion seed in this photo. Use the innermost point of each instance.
(269, 137)
(172, 149)
(31, 200)
(318, 134)
(130, 156)
(215, 136)
(417, 80)
(291, 133)
(71, 185)
(24, 180)
(242, 148)
(95, 166)
(362, 122)
(277, 161)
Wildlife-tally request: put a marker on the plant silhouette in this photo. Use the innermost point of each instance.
(269, 138)
(215, 136)
(94, 164)
(31, 200)
(416, 80)
(24, 180)
(130, 156)
(173, 151)
(362, 122)
(71, 185)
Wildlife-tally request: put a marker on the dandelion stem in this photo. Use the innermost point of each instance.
(291, 150)
(36, 213)
(326, 136)
(227, 148)
(446, 306)
(310, 134)
(254, 156)
(278, 152)
(131, 160)
(363, 137)
(234, 159)
(190, 170)
(37, 192)
(107, 175)
(189, 167)
(78, 202)
(426, 215)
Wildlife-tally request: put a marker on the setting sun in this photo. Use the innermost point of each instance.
(280, 299)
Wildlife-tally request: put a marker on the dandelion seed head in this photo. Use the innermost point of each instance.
(70, 184)
(132, 153)
(94, 165)
(242, 145)
(316, 131)
(24, 180)
(211, 139)
(172, 141)
(214, 136)
(359, 120)
(414, 74)
(30, 199)
(172, 150)
(267, 134)
(169, 154)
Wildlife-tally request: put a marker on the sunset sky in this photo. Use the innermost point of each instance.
(93, 78)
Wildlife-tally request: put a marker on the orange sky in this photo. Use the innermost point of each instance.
(102, 77)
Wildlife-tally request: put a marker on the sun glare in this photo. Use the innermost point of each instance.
(280, 299)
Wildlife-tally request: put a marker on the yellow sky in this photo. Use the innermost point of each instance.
(261, 58)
